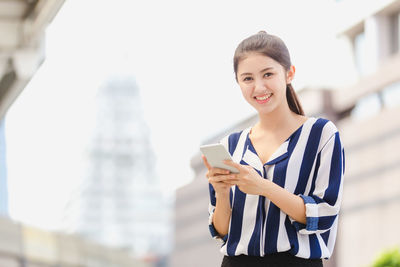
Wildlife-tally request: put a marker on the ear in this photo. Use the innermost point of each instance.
(290, 74)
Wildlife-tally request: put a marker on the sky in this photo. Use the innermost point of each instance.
(180, 53)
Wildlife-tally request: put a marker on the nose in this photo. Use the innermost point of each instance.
(259, 86)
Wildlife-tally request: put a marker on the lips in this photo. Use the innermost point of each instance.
(263, 98)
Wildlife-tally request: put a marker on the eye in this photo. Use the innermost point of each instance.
(268, 74)
(248, 78)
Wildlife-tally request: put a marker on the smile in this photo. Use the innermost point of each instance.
(263, 98)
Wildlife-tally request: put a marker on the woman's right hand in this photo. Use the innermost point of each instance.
(218, 178)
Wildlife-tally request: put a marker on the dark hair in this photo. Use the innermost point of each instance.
(273, 47)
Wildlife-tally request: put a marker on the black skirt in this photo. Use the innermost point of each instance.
(282, 259)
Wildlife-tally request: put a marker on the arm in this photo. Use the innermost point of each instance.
(323, 203)
(250, 182)
(219, 206)
(222, 214)
(289, 203)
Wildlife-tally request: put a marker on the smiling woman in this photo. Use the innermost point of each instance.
(281, 209)
(252, 53)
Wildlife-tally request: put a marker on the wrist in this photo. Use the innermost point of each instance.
(222, 194)
(264, 187)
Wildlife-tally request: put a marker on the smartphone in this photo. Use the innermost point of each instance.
(216, 154)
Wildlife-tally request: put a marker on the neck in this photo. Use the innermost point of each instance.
(276, 121)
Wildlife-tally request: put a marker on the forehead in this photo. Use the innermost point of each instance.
(254, 62)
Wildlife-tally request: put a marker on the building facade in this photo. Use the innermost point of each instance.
(370, 131)
(366, 113)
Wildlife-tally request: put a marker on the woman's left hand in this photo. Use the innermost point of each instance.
(248, 180)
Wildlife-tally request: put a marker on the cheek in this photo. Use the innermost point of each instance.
(280, 86)
(246, 92)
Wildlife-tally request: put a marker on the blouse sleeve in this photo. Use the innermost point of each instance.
(323, 204)
(211, 208)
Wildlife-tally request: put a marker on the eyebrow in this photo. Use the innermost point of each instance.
(248, 73)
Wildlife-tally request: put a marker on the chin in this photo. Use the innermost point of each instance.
(266, 110)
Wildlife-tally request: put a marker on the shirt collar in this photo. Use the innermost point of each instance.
(251, 158)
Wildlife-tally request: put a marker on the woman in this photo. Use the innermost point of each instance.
(281, 209)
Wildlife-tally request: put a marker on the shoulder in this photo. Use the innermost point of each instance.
(323, 129)
(325, 126)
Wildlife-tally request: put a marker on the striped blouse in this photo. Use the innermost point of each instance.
(310, 163)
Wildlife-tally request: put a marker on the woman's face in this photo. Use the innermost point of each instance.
(263, 82)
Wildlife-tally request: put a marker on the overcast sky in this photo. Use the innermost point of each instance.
(181, 55)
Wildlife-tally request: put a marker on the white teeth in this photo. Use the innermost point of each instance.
(263, 97)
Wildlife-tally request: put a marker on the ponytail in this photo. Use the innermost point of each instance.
(293, 101)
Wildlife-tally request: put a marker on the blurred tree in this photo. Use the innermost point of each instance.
(388, 258)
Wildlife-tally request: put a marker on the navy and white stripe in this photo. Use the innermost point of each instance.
(310, 163)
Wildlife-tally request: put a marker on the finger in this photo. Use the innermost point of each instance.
(232, 182)
(206, 162)
(223, 178)
(238, 166)
(217, 179)
(219, 171)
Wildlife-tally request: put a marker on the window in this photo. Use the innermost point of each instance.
(367, 107)
(391, 95)
(360, 53)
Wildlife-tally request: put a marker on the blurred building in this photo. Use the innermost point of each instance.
(120, 202)
(25, 246)
(370, 128)
(366, 112)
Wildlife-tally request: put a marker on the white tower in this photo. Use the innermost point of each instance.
(121, 202)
